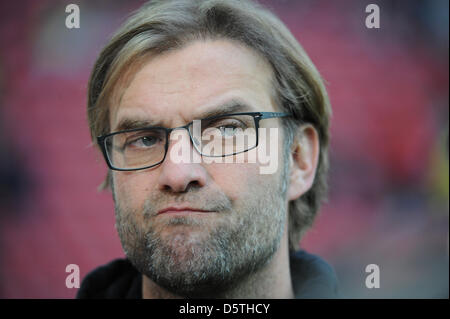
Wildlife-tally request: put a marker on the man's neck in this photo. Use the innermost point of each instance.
(272, 281)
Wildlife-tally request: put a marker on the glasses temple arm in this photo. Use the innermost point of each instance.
(268, 115)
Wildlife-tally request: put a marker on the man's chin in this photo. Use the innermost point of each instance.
(190, 278)
(185, 266)
(183, 246)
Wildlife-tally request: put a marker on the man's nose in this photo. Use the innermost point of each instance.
(182, 168)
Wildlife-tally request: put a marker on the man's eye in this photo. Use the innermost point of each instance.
(229, 130)
(228, 127)
(144, 141)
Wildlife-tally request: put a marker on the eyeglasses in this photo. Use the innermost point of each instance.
(215, 136)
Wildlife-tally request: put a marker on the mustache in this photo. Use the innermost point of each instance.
(205, 200)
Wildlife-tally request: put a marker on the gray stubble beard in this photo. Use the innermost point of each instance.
(238, 244)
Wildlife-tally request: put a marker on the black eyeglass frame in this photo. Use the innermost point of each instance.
(257, 116)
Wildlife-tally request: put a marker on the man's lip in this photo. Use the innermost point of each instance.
(169, 210)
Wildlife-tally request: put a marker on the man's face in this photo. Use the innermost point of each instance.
(191, 252)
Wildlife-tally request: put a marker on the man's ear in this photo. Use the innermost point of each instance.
(303, 161)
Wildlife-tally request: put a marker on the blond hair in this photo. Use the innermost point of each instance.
(163, 25)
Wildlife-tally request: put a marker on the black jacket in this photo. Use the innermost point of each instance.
(311, 276)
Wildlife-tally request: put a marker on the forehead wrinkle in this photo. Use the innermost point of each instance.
(231, 105)
(265, 79)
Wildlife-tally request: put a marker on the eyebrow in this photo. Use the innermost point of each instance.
(131, 124)
(232, 106)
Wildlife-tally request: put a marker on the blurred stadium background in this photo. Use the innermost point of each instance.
(389, 182)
